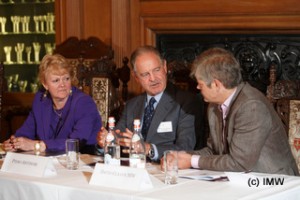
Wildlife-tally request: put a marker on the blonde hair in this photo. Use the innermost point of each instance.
(56, 64)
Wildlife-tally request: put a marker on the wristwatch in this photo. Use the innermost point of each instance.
(151, 153)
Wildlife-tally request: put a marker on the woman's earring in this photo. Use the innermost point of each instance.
(71, 92)
(45, 93)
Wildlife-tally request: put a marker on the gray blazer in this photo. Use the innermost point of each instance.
(176, 106)
(256, 137)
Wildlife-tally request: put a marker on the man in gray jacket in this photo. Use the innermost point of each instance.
(176, 116)
(246, 134)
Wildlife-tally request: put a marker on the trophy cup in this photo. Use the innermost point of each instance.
(49, 49)
(9, 80)
(28, 52)
(3, 22)
(36, 48)
(22, 85)
(7, 51)
(36, 22)
(25, 23)
(16, 21)
(19, 48)
(42, 20)
(50, 22)
(14, 83)
(34, 87)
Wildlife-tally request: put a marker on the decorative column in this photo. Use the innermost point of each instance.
(120, 30)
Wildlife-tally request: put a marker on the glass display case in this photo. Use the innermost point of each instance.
(27, 33)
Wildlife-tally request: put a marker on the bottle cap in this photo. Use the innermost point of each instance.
(111, 119)
(111, 122)
(136, 122)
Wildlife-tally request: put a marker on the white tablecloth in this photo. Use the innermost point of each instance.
(74, 185)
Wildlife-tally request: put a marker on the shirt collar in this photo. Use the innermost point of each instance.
(156, 97)
(226, 103)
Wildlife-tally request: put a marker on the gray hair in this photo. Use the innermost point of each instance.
(142, 50)
(220, 64)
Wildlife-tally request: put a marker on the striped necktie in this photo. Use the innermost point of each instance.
(148, 114)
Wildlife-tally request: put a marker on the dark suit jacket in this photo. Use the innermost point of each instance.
(81, 120)
(256, 137)
(176, 106)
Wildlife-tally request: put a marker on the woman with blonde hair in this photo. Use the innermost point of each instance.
(59, 111)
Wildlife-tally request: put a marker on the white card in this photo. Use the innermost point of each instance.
(121, 177)
(165, 127)
(30, 165)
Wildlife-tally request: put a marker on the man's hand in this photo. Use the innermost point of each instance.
(183, 160)
(101, 137)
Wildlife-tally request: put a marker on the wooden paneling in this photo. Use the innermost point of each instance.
(150, 17)
(218, 7)
(68, 15)
(145, 18)
(82, 19)
(97, 19)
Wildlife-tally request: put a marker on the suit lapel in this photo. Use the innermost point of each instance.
(219, 128)
(165, 104)
(138, 111)
(234, 98)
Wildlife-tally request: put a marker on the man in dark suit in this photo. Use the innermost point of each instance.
(246, 134)
(175, 111)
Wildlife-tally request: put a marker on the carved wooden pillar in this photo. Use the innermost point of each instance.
(120, 30)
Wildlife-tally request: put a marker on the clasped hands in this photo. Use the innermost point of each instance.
(18, 143)
(123, 137)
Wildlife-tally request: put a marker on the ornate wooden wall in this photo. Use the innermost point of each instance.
(256, 54)
(126, 24)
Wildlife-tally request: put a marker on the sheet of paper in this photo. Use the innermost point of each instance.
(205, 175)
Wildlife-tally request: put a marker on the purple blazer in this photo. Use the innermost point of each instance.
(80, 119)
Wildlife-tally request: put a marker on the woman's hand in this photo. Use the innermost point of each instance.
(18, 143)
(8, 145)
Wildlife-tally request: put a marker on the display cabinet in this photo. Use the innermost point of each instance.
(27, 33)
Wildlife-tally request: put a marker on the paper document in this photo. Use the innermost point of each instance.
(206, 175)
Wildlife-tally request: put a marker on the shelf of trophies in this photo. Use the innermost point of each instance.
(26, 34)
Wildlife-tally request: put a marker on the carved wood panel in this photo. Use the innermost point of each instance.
(256, 53)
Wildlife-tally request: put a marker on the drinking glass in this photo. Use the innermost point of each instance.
(170, 166)
(72, 153)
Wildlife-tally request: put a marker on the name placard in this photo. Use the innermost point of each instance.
(29, 165)
(121, 177)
